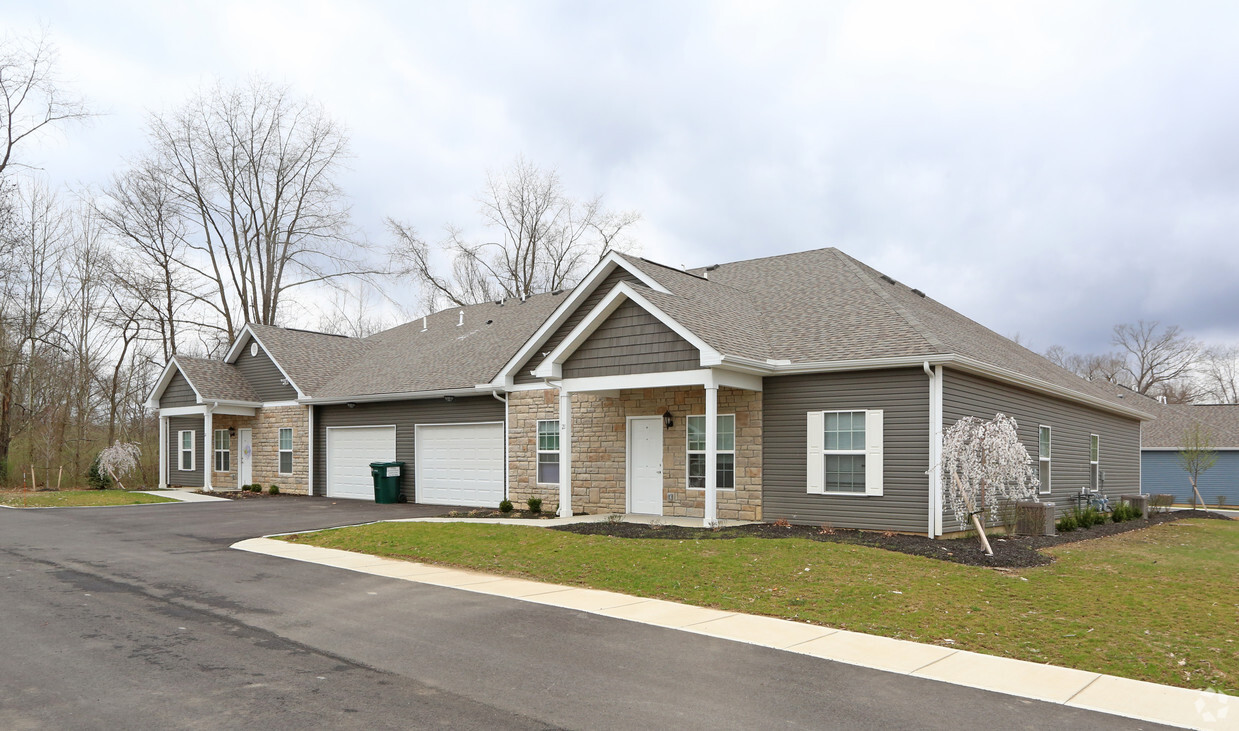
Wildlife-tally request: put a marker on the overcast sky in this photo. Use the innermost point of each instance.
(1046, 169)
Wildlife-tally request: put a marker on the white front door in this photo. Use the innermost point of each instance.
(245, 457)
(459, 464)
(645, 465)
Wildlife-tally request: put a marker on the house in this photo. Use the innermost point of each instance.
(807, 387)
(1162, 439)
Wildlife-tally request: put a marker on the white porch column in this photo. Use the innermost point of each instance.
(208, 446)
(711, 512)
(163, 452)
(565, 453)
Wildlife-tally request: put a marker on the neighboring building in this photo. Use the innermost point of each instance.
(807, 387)
(1162, 439)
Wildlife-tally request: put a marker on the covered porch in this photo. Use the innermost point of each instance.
(215, 441)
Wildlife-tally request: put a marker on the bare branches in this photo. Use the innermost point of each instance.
(31, 97)
(1155, 356)
(547, 240)
(1219, 374)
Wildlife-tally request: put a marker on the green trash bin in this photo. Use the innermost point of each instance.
(386, 481)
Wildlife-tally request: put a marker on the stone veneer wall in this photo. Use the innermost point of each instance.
(600, 443)
(227, 480)
(266, 425)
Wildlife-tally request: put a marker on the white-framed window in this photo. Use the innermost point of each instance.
(725, 445)
(1043, 457)
(548, 451)
(186, 441)
(223, 451)
(845, 452)
(1094, 461)
(286, 451)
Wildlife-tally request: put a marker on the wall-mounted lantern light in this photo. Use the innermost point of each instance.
(668, 420)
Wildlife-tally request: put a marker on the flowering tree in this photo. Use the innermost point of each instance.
(984, 463)
(119, 459)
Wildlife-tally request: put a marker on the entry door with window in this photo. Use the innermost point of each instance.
(245, 457)
(645, 465)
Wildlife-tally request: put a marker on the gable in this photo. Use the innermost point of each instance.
(629, 341)
(523, 374)
(178, 393)
(262, 373)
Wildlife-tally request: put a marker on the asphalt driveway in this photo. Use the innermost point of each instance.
(143, 617)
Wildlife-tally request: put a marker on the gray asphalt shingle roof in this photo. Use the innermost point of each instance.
(1220, 421)
(215, 380)
(310, 359)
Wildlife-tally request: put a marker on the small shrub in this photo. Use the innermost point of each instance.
(1161, 502)
(535, 505)
(505, 506)
(1066, 524)
(273, 490)
(96, 477)
(1221, 502)
(1119, 514)
(255, 487)
(615, 519)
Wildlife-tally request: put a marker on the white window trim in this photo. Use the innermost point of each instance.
(218, 451)
(1049, 460)
(873, 452)
(280, 452)
(843, 452)
(731, 451)
(537, 437)
(180, 450)
(1094, 465)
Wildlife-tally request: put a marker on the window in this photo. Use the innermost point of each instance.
(286, 451)
(187, 450)
(223, 451)
(725, 444)
(1094, 461)
(1043, 457)
(845, 452)
(548, 451)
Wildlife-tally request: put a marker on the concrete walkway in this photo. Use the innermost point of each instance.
(184, 496)
(1074, 688)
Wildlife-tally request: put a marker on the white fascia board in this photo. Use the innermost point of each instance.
(406, 396)
(234, 408)
(733, 379)
(550, 366)
(184, 410)
(700, 377)
(234, 352)
(591, 281)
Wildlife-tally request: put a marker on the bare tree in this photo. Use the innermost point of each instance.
(31, 97)
(1219, 373)
(1108, 367)
(548, 241)
(1156, 357)
(1196, 456)
(253, 168)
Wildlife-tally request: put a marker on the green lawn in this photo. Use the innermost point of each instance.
(1160, 604)
(72, 498)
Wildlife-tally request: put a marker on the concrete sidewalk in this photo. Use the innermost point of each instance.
(1075, 688)
(184, 496)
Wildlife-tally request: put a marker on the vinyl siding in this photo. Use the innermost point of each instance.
(178, 393)
(1161, 473)
(263, 375)
(405, 415)
(604, 287)
(903, 396)
(1070, 426)
(631, 340)
(177, 424)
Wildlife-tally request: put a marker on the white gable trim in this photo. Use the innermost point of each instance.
(235, 351)
(551, 366)
(169, 370)
(591, 281)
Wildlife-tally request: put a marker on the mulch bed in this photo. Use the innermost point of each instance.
(487, 513)
(1013, 552)
(245, 494)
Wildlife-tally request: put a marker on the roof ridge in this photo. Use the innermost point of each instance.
(913, 322)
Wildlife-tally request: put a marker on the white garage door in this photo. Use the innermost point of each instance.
(350, 450)
(460, 464)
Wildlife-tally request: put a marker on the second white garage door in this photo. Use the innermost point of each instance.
(350, 450)
(460, 464)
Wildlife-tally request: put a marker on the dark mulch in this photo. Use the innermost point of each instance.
(488, 513)
(246, 494)
(1014, 552)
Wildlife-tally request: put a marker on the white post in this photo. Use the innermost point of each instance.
(309, 464)
(711, 512)
(208, 446)
(163, 452)
(565, 453)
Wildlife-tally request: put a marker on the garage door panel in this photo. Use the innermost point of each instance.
(350, 450)
(460, 464)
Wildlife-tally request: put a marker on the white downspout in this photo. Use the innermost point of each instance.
(505, 441)
(934, 528)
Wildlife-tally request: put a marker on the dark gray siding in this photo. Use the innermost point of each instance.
(574, 319)
(178, 393)
(178, 424)
(263, 375)
(903, 396)
(405, 415)
(1070, 426)
(631, 340)
(1161, 473)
